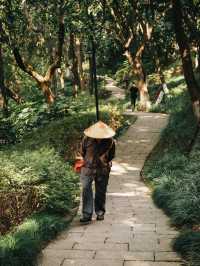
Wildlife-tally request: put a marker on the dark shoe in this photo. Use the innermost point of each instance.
(85, 220)
(100, 217)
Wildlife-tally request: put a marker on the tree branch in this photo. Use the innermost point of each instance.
(26, 67)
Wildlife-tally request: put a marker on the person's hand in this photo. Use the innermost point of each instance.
(78, 157)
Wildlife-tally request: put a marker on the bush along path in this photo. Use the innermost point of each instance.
(134, 232)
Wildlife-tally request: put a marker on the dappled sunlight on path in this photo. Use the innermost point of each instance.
(134, 232)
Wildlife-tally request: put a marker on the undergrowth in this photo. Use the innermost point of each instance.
(173, 171)
(21, 247)
(38, 186)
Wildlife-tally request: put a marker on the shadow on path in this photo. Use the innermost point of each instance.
(135, 232)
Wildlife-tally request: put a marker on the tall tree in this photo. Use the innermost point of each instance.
(182, 40)
(12, 24)
(79, 54)
(133, 29)
(5, 92)
(74, 64)
(191, 17)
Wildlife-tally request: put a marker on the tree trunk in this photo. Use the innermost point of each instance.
(74, 67)
(3, 96)
(198, 60)
(80, 63)
(94, 68)
(62, 79)
(44, 82)
(161, 74)
(184, 48)
(185, 51)
(138, 71)
(144, 104)
(5, 92)
(45, 87)
(53, 84)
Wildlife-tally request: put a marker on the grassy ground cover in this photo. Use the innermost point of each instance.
(173, 171)
(38, 187)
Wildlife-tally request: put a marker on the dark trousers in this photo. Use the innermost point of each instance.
(133, 102)
(87, 195)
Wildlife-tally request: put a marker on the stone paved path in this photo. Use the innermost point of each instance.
(116, 92)
(134, 232)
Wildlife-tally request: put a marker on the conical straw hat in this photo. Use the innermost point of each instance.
(99, 131)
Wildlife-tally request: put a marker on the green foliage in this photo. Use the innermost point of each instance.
(175, 100)
(123, 73)
(56, 183)
(65, 114)
(45, 134)
(34, 178)
(20, 248)
(174, 170)
(173, 173)
(188, 245)
(109, 55)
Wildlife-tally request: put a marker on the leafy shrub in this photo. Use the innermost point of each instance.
(35, 180)
(37, 171)
(78, 112)
(33, 168)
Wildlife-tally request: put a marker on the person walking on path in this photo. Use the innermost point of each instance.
(97, 150)
(133, 96)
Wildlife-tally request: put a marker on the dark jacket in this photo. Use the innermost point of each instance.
(97, 156)
(133, 92)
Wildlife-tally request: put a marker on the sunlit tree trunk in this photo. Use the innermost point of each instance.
(139, 73)
(160, 73)
(62, 79)
(198, 60)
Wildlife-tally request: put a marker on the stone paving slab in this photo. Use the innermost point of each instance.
(49, 261)
(166, 256)
(145, 263)
(135, 232)
(61, 245)
(138, 256)
(92, 263)
(69, 254)
(101, 246)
